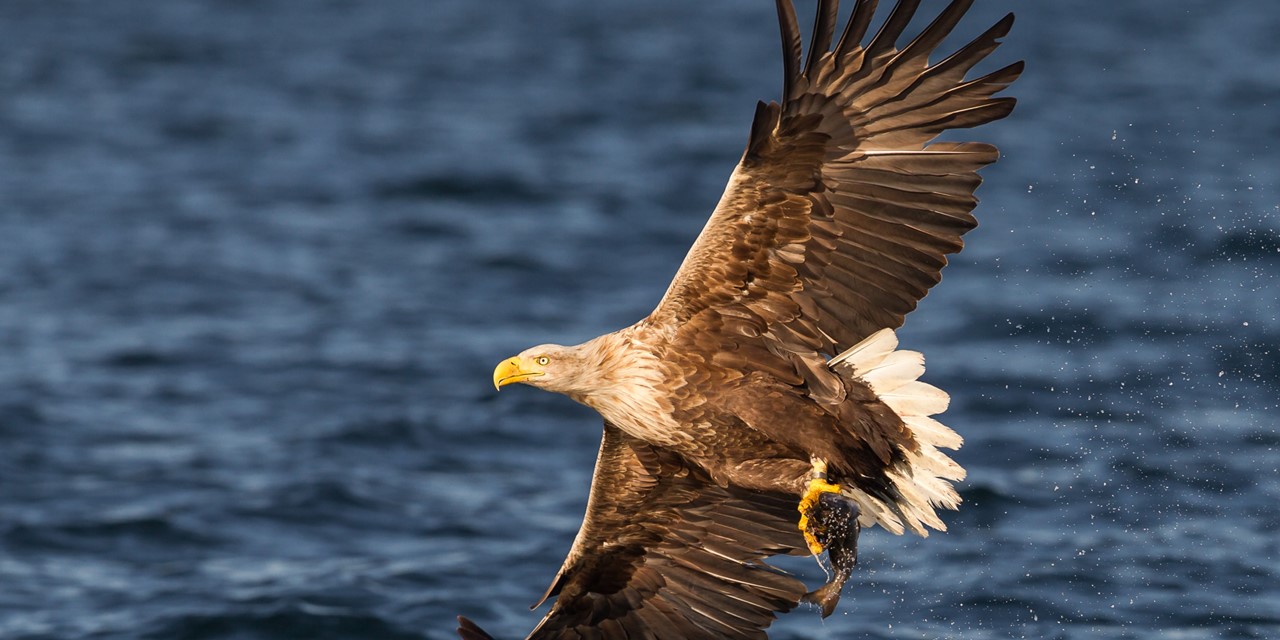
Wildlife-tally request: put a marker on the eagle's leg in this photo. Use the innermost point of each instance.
(829, 521)
(811, 507)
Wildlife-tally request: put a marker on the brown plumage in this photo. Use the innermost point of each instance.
(773, 345)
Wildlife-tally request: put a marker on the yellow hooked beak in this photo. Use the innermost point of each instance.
(513, 370)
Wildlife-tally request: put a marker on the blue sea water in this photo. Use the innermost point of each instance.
(258, 259)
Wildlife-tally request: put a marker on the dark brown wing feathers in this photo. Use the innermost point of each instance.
(855, 30)
(468, 630)
(791, 47)
(665, 552)
(841, 204)
(889, 33)
(823, 30)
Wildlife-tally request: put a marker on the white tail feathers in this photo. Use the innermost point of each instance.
(871, 351)
(927, 429)
(893, 376)
(915, 398)
(923, 480)
(897, 368)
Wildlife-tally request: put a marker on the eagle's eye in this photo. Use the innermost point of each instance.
(544, 361)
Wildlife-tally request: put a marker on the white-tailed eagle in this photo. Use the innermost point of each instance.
(763, 408)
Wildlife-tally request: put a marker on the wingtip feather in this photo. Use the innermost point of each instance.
(823, 31)
(468, 630)
(887, 38)
(855, 29)
(789, 28)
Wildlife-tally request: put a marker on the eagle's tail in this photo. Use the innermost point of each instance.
(923, 480)
(468, 630)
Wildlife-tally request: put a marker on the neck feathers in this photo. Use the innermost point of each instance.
(604, 364)
(625, 386)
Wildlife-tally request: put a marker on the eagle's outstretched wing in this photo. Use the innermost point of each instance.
(665, 553)
(840, 215)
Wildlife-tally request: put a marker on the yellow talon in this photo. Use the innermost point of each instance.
(817, 487)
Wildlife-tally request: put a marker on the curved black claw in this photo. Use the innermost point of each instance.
(835, 525)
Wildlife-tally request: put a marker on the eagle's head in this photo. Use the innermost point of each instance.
(567, 370)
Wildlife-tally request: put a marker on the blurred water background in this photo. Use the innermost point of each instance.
(258, 259)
